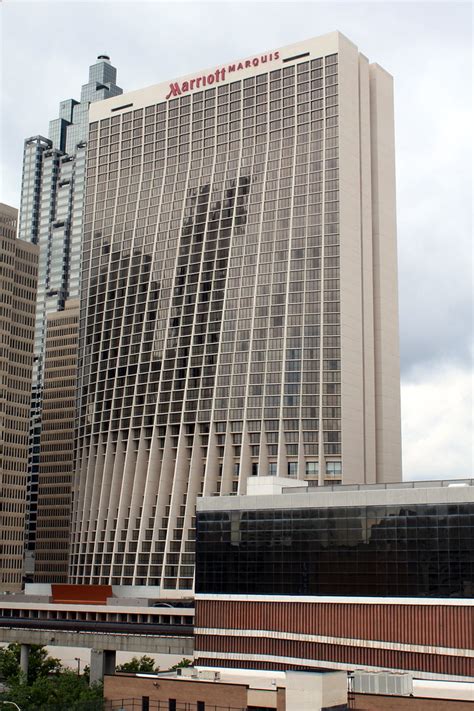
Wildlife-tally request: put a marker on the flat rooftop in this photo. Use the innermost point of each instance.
(280, 493)
(253, 678)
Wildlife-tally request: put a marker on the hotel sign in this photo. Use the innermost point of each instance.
(178, 88)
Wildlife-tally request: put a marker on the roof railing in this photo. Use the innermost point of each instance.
(421, 484)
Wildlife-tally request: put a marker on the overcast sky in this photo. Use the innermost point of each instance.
(47, 48)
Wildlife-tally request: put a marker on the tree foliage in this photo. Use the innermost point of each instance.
(66, 691)
(48, 687)
(183, 663)
(139, 665)
(39, 663)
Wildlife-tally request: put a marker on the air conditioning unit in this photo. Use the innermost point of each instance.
(387, 683)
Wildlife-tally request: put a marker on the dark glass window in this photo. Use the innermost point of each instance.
(398, 551)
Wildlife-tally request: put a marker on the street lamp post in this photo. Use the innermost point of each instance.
(78, 660)
(12, 703)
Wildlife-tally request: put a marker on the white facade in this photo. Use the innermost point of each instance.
(239, 309)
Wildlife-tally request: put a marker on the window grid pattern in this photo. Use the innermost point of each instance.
(52, 201)
(209, 331)
(19, 270)
(57, 446)
(394, 551)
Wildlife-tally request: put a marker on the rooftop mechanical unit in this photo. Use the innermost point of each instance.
(386, 683)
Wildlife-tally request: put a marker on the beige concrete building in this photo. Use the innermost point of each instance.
(239, 300)
(194, 689)
(57, 445)
(18, 282)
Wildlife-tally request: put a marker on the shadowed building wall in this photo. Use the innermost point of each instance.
(18, 281)
(56, 465)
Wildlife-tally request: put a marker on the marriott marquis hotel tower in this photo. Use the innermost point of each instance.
(239, 299)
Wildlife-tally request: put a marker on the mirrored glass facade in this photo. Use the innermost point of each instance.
(391, 551)
(52, 201)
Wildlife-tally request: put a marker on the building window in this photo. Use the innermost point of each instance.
(415, 532)
(254, 469)
(272, 469)
(292, 468)
(312, 469)
(334, 469)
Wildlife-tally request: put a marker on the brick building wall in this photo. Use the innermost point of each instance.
(427, 637)
(373, 702)
(227, 696)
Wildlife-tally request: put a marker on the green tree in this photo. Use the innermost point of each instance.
(139, 665)
(39, 663)
(66, 691)
(183, 663)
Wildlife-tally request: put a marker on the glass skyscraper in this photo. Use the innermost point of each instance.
(51, 209)
(238, 299)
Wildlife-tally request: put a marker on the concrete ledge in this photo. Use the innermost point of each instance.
(183, 646)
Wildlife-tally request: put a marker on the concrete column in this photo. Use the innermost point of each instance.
(314, 691)
(24, 658)
(102, 662)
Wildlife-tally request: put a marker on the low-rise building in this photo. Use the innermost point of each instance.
(192, 689)
(56, 461)
(204, 689)
(350, 577)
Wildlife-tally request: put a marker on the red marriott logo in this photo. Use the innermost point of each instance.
(177, 88)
